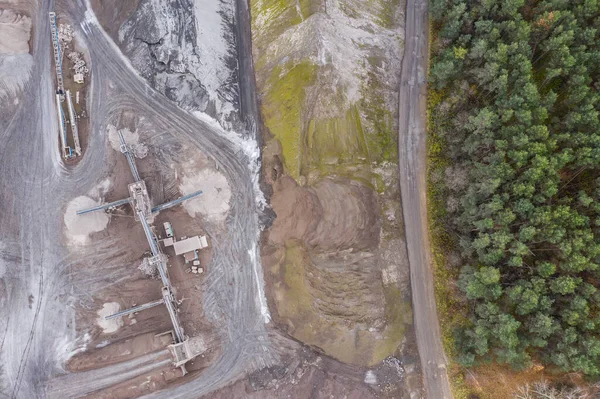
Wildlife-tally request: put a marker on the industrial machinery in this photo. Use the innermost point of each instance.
(67, 151)
(143, 212)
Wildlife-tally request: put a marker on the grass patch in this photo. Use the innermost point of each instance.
(386, 17)
(451, 312)
(283, 13)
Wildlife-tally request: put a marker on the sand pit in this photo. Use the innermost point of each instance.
(79, 227)
(213, 204)
(109, 326)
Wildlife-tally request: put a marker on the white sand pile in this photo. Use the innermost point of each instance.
(132, 139)
(15, 60)
(370, 378)
(15, 32)
(101, 189)
(214, 202)
(79, 227)
(109, 326)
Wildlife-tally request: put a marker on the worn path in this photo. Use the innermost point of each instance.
(413, 167)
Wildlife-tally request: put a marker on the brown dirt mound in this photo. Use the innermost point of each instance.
(334, 214)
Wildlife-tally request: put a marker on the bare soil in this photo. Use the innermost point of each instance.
(334, 214)
(335, 263)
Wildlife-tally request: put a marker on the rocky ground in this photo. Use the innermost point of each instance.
(185, 48)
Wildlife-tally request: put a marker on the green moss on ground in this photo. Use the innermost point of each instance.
(309, 7)
(382, 139)
(278, 15)
(386, 15)
(283, 107)
(333, 143)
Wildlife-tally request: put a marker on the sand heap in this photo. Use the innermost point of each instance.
(15, 60)
(79, 227)
(15, 32)
(213, 204)
(109, 326)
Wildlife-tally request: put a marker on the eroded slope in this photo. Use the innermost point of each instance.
(327, 72)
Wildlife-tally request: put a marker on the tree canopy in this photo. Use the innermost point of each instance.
(520, 88)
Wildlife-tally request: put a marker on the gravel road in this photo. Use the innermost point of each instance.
(412, 162)
(35, 186)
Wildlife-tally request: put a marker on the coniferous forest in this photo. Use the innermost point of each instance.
(518, 87)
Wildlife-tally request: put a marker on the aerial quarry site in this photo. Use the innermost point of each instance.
(261, 199)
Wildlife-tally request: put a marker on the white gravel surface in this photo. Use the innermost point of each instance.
(15, 60)
(214, 48)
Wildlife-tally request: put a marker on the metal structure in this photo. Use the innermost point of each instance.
(60, 96)
(62, 129)
(73, 120)
(135, 309)
(57, 56)
(110, 205)
(175, 202)
(143, 212)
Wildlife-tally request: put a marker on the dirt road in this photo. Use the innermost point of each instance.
(412, 163)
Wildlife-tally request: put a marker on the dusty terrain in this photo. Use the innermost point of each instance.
(15, 29)
(310, 375)
(341, 263)
(134, 335)
(52, 289)
(112, 13)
